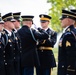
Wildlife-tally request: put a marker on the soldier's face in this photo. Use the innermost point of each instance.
(16, 24)
(44, 24)
(1, 27)
(11, 25)
(64, 22)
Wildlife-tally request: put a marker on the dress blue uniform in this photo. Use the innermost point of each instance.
(29, 56)
(9, 48)
(17, 45)
(2, 50)
(67, 48)
(44, 48)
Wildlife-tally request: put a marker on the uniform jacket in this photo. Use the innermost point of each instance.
(17, 52)
(9, 55)
(29, 56)
(2, 55)
(67, 52)
(46, 57)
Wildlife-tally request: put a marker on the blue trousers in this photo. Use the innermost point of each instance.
(28, 71)
(43, 71)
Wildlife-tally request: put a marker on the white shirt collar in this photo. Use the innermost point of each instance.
(15, 30)
(46, 29)
(9, 33)
(65, 29)
(0, 34)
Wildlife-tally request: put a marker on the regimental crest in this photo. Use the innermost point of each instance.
(68, 43)
(42, 16)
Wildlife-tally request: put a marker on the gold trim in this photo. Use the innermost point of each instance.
(43, 41)
(8, 17)
(69, 15)
(44, 19)
(45, 48)
(71, 70)
(16, 15)
(26, 18)
(68, 44)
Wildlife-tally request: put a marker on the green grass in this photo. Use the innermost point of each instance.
(55, 51)
(54, 71)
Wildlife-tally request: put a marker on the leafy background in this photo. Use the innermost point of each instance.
(56, 9)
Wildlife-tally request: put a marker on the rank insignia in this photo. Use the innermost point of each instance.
(42, 16)
(68, 43)
(44, 42)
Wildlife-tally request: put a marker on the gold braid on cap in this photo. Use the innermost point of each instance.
(16, 15)
(69, 15)
(8, 17)
(44, 19)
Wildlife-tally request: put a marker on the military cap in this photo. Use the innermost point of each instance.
(17, 15)
(27, 17)
(68, 14)
(1, 21)
(73, 10)
(8, 17)
(44, 17)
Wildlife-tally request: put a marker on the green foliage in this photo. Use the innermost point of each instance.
(56, 9)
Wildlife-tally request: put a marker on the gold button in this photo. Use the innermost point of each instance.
(20, 51)
(4, 56)
(5, 63)
(14, 58)
(63, 66)
(3, 51)
(10, 45)
(20, 47)
(4, 60)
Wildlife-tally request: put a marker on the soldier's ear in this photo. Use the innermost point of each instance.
(32, 22)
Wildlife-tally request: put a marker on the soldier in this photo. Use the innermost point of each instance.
(17, 18)
(9, 42)
(2, 50)
(18, 42)
(74, 10)
(67, 45)
(1, 23)
(28, 36)
(46, 56)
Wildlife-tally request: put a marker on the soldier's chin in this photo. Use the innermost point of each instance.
(63, 26)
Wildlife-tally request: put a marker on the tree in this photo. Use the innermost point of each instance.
(56, 9)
